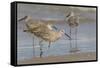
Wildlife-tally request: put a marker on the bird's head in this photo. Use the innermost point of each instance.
(63, 33)
(70, 14)
(28, 18)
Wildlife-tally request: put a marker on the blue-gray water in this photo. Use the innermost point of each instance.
(86, 32)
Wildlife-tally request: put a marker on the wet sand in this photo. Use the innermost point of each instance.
(64, 58)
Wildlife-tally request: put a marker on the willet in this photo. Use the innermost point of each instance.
(73, 22)
(42, 30)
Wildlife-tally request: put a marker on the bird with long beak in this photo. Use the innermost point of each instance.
(73, 22)
(42, 30)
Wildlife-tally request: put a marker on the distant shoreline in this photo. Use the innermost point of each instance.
(64, 58)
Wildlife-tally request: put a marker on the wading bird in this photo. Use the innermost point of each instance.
(42, 30)
(73, 22)
(32, 25)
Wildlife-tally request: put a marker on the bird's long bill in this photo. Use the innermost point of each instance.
(55, 27)
(68, 36)
(22, 19)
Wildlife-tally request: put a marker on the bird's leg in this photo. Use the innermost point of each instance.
(40, 42)
(49, 44)
(33, 47)
(41, 52)
(70, 39)
(76, 38)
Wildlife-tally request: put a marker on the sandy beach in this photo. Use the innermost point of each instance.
(64, 58)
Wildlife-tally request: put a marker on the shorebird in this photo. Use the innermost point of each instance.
(34, 24)
(41, 30)
(38, 26)
(73, 22)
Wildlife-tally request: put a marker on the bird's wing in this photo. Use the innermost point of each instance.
(33, 24)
